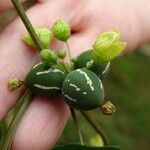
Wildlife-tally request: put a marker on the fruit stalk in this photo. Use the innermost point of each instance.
(76, 125)
(95, 125)
(69, 52)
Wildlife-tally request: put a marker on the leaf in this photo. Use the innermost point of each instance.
(7, 139)
(2, 130)
(83, 147)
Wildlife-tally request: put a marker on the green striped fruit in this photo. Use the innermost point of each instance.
(45, 81)
(101, 70)
(83, 89)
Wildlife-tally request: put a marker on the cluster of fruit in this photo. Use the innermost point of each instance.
(80, 81)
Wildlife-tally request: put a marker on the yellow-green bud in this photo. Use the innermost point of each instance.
(107, 46)
(61, 54)
(48, 57)
(45, 36)
(61, 30)
(74, 59)
(14, 84)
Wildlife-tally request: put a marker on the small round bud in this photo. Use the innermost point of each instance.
(61, 54)
(108, 108)
(61, 30)
(14, 84)
(48, 57)
(74, 59)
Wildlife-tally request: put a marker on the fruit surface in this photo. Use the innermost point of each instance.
(101, 70)
(45, 81)
(83, 90)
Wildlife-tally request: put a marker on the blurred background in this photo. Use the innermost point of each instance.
(127, 86)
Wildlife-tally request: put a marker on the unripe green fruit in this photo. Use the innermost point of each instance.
(101, 70)
(45, 81)
(48, 57)
(83, 90)
(61, 30)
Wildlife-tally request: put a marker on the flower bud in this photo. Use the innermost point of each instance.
(14, 84)
(108, 108)
(61, 54)
(107, 46)
(44, 35)
(61, 30)
(48, 57)
(74, 59)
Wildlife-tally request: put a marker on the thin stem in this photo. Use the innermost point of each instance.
(95, 125)
(76, 125)
(25, 101)
(64, 66)
(69, 52)
(27, 23)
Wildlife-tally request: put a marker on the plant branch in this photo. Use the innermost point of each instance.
(95, 125)
(27, 23)
(76, 125)
(25, 101)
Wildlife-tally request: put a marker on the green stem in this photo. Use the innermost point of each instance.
(25, 101)
(69, 54)
(27, 23)
(95, 125)
(76, 125)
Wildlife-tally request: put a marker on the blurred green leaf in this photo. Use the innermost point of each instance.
(82, 147)
(24, 102)
(2, 130)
